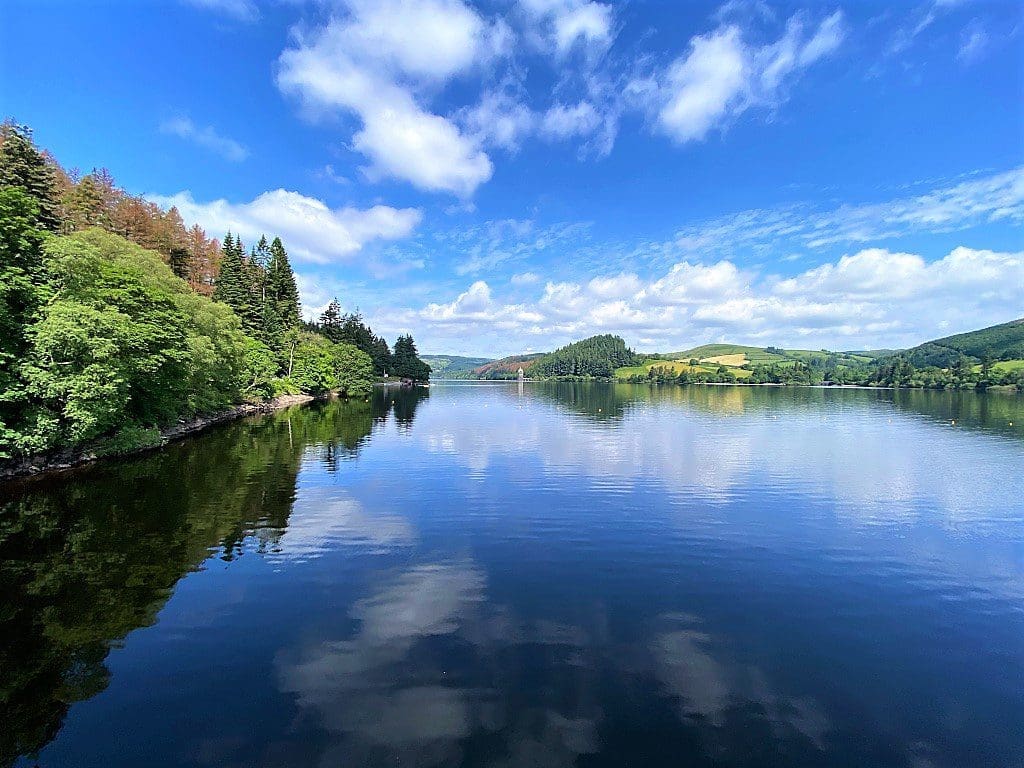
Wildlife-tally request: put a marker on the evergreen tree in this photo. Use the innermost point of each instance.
(232, 283)
(24, 166)
(281, 287)
(261, 253)
(405, 360)
(331, 321)
(380, 354)
(178, 261)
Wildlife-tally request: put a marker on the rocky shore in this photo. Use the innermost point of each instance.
(68, 458)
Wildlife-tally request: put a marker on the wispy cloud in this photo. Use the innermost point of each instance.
(241, 10)
(509, 241)
(206, 137)
(973, 42)
(947, 207)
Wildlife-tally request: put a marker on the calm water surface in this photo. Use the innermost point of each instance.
(538, 575)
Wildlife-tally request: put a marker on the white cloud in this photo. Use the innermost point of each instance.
(871, 298)
(973, 42)
(206, 137)
(524, 278)
(701, 87)
(721, 76)
(563, 122)
(407, 143)
(564, 23)
(427, 38)
(242, 10)
(373, 62)
(499, 120)
(309, 229)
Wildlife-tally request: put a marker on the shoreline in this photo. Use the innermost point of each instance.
(69, 458)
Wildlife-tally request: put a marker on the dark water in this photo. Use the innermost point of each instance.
(543, 576)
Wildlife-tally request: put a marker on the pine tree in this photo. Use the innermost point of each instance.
(178, 261)
(22, 165)
(406, 362)
(231, 286)
(281, 287)
(331, 321)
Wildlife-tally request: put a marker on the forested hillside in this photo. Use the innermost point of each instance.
(597, 356)
(454, 366)
(117, 320)
(507, 367)
(998, 342)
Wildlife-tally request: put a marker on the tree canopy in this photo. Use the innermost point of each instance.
(116, 320)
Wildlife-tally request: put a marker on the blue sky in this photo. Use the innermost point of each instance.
(504, 177)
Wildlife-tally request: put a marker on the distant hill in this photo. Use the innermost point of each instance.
(998, 342)
(731, 355)
(453, 366)
(506, 367)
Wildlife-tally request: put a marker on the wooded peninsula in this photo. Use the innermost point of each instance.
(117, 320)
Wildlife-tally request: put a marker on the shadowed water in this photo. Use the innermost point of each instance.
(531, 575)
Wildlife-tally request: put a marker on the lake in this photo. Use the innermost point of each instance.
(504, 574)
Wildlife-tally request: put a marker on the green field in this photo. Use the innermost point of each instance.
(733, 356)
(1005, 366)
(677, 366)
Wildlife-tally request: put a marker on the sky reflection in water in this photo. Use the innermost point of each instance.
(536, 575)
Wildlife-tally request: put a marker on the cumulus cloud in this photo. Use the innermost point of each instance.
(371, 63)
(206, 137)
(870, 298)
(721, 76)
(311, 230)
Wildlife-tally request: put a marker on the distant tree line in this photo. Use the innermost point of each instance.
(116, 320)
(349, 328)
(891, 371)
(595, 357)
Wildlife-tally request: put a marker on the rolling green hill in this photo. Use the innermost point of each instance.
(453, 366)
(998, 342)
(739, 359)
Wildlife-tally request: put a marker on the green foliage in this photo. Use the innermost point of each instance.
(22, 290)
(25, 167)
(123, 340)
(282, 291)
(997, 342)
(596, 357)
(406, 363)
(129, 438)
(350, 329)
(320, 366)
(260, 371)
(103, 340)
(233, 284)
